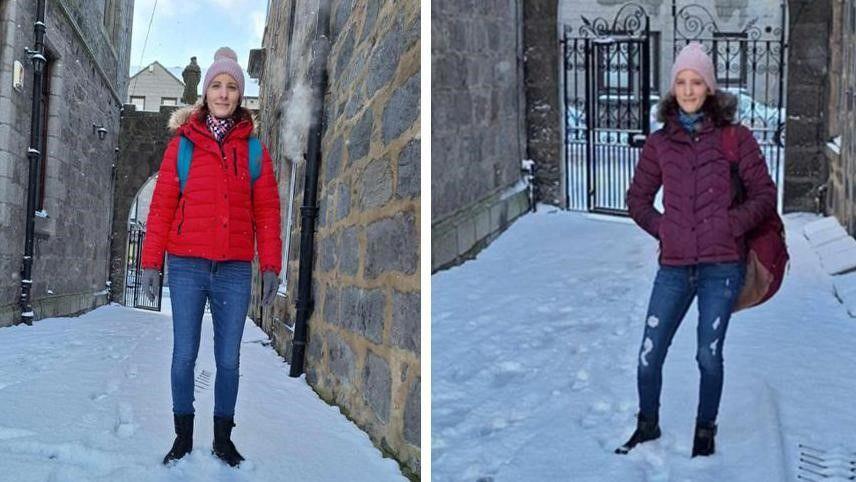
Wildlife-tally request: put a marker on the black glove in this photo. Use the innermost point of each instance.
(270, 284)
(150, 281)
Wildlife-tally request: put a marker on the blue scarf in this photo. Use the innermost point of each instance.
(690, 122)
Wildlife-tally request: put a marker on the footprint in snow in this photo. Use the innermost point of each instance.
(7, 433)
(505, 372)
(582, 380)
(125, 427)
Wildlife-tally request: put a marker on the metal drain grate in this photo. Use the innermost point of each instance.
(819, 464)
(203, 381)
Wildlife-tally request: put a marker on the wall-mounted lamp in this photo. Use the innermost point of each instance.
(100, 130)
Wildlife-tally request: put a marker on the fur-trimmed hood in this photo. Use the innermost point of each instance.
(181, 117)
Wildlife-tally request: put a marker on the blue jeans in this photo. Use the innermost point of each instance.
(717, 287)
(226, 285)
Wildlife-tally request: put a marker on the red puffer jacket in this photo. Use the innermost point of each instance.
(699, 224)
(217, 217)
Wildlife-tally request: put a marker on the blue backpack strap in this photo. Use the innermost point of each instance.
(185, 154)
(255, 149)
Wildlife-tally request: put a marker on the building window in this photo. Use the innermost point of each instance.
(139, 101)
(43, 114)
(169, 101)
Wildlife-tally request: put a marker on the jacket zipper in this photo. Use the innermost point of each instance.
(180, 223)
(235, 160)
(222, 156)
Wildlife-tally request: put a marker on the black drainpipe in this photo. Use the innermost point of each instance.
(35, 156)
(309, 209)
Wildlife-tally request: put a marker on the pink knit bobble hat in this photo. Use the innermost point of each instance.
(225, 62)
(694, 58)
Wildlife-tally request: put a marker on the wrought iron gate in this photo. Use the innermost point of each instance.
(134, 293)
(612, 87)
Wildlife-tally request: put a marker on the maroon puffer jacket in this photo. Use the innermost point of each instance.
(699, 224)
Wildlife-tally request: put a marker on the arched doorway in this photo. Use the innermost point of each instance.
(134, 294)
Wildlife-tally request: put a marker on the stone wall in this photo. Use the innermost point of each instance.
(477, 126)
(364, 333)
(806, 166)
(841, 195)
(88, 80)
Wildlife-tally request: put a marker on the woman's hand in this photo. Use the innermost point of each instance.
(270, 283)
(150, 281)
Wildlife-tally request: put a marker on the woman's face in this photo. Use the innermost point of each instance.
(222, 96)
(690, 91)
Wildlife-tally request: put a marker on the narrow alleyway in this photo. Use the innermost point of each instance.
(534, 352)
(88, 398)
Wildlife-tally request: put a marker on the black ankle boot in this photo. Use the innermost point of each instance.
(183, 438)
(223, 446)
(703, 442)
(646, 429)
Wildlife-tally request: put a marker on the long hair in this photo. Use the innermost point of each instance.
(721, 108)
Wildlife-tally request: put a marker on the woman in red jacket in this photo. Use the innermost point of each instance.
(208, 223)
(702, 252)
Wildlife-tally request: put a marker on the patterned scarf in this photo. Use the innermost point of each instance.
(690, 122)
(219, 127)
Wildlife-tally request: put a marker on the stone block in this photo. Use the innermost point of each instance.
(341, 16)
(363, 312)
(349, 251)
(327, 250)
(343, 200)
(360, 137)
(405, 321)
(444, 247)
(384, 60)
(377, 386)
(356, 101)
(345, 48)
(331, 306)
(401, 110)
(407, 184)
(392, 244)
(372, 7)
(333, 160)
(412, 417)
(340, 360)
(466, 234)
(375, 184)
(482, 224)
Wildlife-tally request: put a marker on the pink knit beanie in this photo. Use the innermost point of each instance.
(694, 58)
(225, 62)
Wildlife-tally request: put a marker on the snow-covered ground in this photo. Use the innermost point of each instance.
(534, 349)
(88, 399)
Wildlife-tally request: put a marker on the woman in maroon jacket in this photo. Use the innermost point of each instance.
(702, 252)
(209, 222)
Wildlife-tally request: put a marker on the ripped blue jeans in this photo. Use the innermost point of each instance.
(717, 286)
